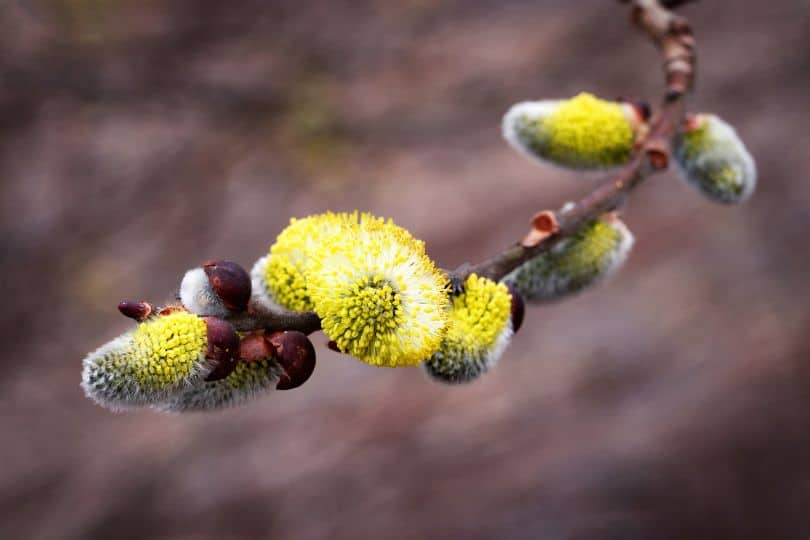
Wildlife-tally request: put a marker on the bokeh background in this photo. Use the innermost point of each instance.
(139, 138)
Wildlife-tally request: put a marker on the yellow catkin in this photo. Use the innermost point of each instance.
(593, 252)
(160, 357)
(379, 296)
(712, 158)
(168, 349)
(284, 274)
(478, 330)
(583, 132)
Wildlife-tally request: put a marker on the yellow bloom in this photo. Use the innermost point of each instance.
(712, 159)
(160, 356)
(281, 277)
(478, 331)
(580, 133)
(594, 252)
(379, 296)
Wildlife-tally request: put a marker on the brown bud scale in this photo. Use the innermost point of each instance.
(296, 356)
(223, 347)
(518, 308)
(231, 282)
(138, 311)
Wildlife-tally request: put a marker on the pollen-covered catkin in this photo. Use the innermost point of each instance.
(379, 296)
(160, 357)
(478, 331)
(594, 252)
(279, 278)
(712, 159)
(583, 132)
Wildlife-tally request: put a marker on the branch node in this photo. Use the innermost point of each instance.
(658, 154)
(544, 224)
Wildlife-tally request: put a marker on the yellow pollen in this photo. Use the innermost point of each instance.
(168, 350)
(379, 296)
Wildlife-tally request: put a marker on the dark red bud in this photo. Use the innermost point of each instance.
(296, 356)
(223, 347)
(518, 308)
(135, 310)
(231, 282)
(643, 109)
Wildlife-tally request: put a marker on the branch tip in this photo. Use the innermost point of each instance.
(138, 311)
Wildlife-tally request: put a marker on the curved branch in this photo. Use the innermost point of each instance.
(672, 34)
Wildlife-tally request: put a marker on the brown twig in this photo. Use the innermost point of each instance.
(672, 34)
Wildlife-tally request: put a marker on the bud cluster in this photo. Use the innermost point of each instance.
(185, 358)
(282, 361)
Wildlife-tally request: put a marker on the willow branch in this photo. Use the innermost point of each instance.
(673, 36)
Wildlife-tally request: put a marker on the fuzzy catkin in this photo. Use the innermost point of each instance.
(478, 331)
(712, 159)
(580, 133)
(594, 252)
(160, 357)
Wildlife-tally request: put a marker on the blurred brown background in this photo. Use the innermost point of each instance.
(138, 138)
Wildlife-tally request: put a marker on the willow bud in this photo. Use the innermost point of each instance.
(217, 289)
(138, 311)
(712, 159)
(296, 356)
(222, 347)
(479, 329)
(594, 252)
(579, 133)
(163, 355)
